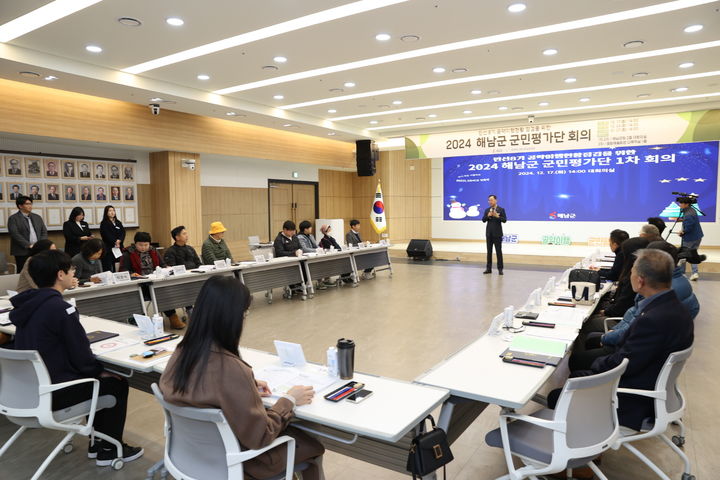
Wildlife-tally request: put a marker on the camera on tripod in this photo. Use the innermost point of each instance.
(689, 198)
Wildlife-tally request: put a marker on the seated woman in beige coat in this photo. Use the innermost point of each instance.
(206, 371)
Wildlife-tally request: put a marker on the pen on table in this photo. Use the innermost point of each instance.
(351, 390)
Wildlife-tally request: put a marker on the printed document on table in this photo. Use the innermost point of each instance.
(282, 379)
(566, 316)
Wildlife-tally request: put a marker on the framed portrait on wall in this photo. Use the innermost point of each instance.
(11, 211)
(13, 166)
(115, 194)
(99, 212)
(66, 213)
(39, 210)
(99, 171)
(86, 193)
(53, 216)
(101, 193)
(35, 191)
(52, 192)
(129, 215)
(51, 168)
(115, 171)
(129, 193)
(15, 190)
(3, 218)
(84, 169)
(129, 172)
(70, 193)
(68, 169)
(89, 215)
(33, 167)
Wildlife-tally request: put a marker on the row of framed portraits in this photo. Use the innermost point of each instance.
(65, 192)
(55, 216)
(14, 166)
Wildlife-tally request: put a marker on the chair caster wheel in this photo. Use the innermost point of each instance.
(687, 476)
(303, 298)
(67, 448)
(117, 464)
(678, 440)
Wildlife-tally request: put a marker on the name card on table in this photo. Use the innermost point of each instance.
(179, 269)
(220, 264)
(122, 277)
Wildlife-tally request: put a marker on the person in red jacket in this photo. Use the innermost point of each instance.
(140, 258)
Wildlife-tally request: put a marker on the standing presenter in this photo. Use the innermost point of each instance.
(494, 216)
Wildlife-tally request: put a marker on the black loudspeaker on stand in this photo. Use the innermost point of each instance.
(366, 155)
(419, 249)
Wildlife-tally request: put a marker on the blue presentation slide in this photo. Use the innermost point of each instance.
(596, 184)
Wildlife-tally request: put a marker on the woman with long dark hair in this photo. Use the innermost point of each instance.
(76, 231)
(206, 370)
(113, 236)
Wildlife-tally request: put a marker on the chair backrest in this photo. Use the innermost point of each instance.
(198, 441)
(588, 405)
(8, 282)
(667, 382)
(22, 372)
(3, 263)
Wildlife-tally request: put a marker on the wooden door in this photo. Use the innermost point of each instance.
(281, 203)
(304, 203)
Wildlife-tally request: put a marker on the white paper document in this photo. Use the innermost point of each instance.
(565, 316)
(282, 379)
(111, 344)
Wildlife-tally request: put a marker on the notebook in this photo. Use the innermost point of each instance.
(99, 336)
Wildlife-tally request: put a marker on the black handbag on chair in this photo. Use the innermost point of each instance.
(429, 451)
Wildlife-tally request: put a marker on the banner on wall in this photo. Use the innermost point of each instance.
(591, 184)
(697, 126)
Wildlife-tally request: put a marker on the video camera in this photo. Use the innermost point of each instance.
(689, 198)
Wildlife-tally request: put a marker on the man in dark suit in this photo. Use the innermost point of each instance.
(494, 216)
(662, 326)
(25, 229)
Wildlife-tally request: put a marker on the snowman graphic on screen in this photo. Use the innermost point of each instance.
(457, 210)
(473, 211)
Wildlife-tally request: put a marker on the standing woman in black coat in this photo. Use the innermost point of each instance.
(113, 235)
(76, 231)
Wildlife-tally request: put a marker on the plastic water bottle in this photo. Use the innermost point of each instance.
(332, 361)
(157, 321)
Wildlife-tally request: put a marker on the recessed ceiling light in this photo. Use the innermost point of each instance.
(38, 18)
(29, 74)
(230, 114)
(467, 112)
(502, 108)
(175, 21)
(202, 76)
(516, 7)
(332, 110)
(409, 38)
(686, 65)
(459, 70)
(543, 104)
(692, 28)
(679, 89)
(93, 49)
(382, 37)
(439, 70)
(432, 115)
(156, 99)
(129, 21)
(269, 67)
(584, 99)
(331, 133)
(640, 74)
(287, 125)
(550, 51)
(278, 97)
(570, 80)
(493, 92)
(397, 102)
(373, 122)
(50, 78)
(476, 92)
(643, 95)
(336, 90)
(279, 59)
(633, 44)
(349, 84)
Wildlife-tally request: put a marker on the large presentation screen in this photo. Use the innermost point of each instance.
(594, 184)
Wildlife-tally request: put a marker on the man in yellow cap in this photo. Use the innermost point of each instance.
(215, 248)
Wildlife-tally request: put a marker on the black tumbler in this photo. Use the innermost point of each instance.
(346, 358)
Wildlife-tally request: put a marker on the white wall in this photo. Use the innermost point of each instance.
(224, 171)
(34, 145)
(534, 231)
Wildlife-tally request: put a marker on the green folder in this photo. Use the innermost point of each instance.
(542, 346)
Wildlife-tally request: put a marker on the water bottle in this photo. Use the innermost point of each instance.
(332, 361)
(346, 358)
(157, 325)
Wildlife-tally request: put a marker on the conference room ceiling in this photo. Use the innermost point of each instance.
(622, 57)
